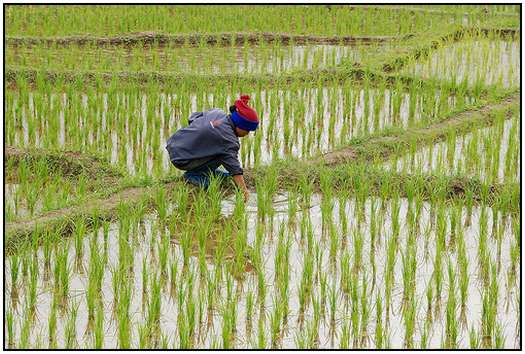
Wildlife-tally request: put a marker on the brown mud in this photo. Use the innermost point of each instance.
(198, 39)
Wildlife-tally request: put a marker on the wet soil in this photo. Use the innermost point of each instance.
(195, 40)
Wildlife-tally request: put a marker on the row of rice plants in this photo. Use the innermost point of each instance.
(491, 154)
(331, 270)
(130, 127)
(472, 62)
(39, 189)
(57, 20)
(261, 59)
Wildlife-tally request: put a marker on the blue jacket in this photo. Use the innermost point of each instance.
(209, 134)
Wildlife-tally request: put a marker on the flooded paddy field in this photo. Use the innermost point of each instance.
(475, 62)
(262, 59)
(311, 271)
(382, 209)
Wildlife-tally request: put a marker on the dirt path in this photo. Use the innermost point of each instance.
(195, 40)
(372, 149)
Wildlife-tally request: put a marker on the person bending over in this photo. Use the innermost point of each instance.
(210, 140)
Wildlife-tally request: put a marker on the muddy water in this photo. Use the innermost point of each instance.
(132, 130)
(435, 158)
(205, 60)
(145, 246)
(489, 62)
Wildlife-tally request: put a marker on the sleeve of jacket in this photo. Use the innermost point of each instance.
(231, 162)
(195, 115)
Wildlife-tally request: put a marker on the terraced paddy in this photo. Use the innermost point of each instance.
(384, 208)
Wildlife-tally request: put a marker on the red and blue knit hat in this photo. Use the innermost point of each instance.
(244, 116)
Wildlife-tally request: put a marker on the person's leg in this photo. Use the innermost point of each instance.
(200, 174)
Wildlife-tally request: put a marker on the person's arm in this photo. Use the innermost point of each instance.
(239, 181)
(233, 166)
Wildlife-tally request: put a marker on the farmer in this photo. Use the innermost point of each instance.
(212, 140)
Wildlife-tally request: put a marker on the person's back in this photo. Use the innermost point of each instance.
(210, 134)
(210, 140)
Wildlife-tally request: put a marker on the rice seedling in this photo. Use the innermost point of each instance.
(70, 335)
(10, 331)
(451, 322)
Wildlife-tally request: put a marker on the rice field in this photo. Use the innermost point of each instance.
(384, 207)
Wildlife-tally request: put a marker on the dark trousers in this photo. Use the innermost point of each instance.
(202, 165)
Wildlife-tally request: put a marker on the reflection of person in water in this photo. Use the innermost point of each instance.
(212, 140)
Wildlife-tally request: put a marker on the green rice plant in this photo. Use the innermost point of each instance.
(409, 317)
(261, 283)
(32, 287)
(261, 338)
(332, 297)
(275, 325)
(409, 271)
(473, 338)
(379, 330)
(124, 323)
(14, 271)
(489, 310)
(10, 331)
(345, 336)
(365, 313)
(463, 273)
(316, 318)
(163, 250)
(345, 273)
(389, 274)
(483, 252)
(154, 306)
(451, 324)
(305, 288)
(424, 336)
(47, 250)
(249, 312)
(499, 339)
(98, 338)
(63, 271)
(70, 335)
(354, 314)
(52, 326)
(184, 337)
(173, 277)
(25, 330)
(437, 274)
(358, 250)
